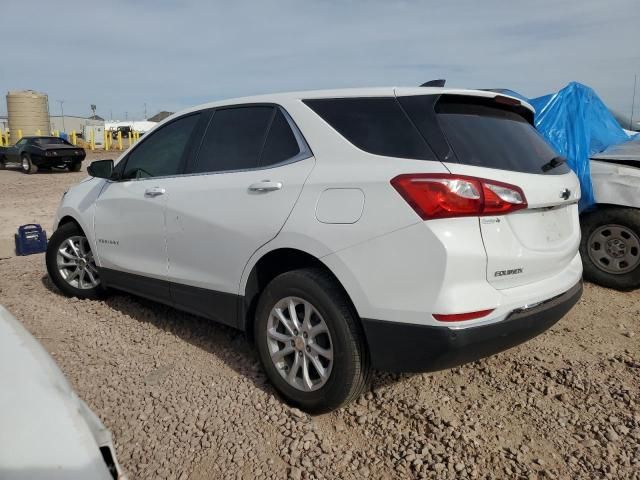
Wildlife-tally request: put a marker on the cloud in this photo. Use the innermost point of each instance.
(120, 55)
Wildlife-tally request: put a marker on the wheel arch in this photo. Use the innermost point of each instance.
(69, 219)
(270, 265)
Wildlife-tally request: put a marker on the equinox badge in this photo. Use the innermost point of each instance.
(502, 273)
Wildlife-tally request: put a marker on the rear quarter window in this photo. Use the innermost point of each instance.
(376, 125)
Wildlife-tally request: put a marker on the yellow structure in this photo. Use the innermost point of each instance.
(19, 135)
(92, 140)
(119, 140)
(74, 137)
(28, 111)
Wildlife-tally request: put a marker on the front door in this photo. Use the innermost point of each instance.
(130, 212)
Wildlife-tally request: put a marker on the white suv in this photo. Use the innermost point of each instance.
(405, 229)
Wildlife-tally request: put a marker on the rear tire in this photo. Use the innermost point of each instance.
(610, 247)
(3, 164)
(320, 306)
(75, 167)
(27, 165)
(70, 263)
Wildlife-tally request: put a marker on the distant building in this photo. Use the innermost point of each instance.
(4, 123)
(72, 122)
(158, 117)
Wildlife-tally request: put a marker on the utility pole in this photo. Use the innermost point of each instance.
(61, 102)
(145, 110)
(633, 102)
(126, 115)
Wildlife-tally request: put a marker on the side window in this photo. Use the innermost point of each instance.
(234, 139)
(281, 143)
(161, 154)
(376, 125)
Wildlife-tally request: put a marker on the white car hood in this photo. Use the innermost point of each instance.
(46, 431)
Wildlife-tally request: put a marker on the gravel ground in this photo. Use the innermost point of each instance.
(186, 398)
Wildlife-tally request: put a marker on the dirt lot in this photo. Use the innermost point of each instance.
(186, 398)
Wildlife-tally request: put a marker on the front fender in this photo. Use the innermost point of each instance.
(79, 204)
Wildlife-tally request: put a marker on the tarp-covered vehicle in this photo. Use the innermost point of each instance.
(607, 161)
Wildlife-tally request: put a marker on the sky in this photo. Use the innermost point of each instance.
(171, 55)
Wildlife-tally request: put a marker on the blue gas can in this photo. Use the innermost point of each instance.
(31, 239)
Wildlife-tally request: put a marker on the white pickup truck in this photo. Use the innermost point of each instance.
(610, 245)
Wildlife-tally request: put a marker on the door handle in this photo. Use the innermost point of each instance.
(265, 186)
(154, 192)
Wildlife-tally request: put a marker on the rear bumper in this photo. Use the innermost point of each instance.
(402, 347)
(42, 161)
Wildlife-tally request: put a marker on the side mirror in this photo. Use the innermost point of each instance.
(101, 169)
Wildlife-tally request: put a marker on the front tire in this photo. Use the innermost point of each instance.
(310, 342)
(71, 265)
(75, 167)
(27, 165)
(610, 247)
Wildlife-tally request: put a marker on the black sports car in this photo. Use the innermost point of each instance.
(31, 153)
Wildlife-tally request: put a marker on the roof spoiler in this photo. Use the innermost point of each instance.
(434, 83)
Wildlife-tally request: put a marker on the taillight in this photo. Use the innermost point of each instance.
(446, 195)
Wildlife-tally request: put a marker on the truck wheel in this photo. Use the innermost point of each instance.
(71, 265)
(75, 167)
(27, 165)
(610, 247)
(310, 342)
(3, 164)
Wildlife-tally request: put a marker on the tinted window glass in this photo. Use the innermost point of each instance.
(234, 139)
(161, 153)
(485, 134)
(51, 141)
(281, 143)
(375, 125)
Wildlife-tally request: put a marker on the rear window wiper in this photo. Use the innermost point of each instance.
(553, 163)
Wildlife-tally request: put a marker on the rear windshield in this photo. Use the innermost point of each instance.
(51, 141)
(484, 133)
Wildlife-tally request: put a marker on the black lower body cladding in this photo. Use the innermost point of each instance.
(402, 347)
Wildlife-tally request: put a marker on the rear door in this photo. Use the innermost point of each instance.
(248, 174)
(494, 139)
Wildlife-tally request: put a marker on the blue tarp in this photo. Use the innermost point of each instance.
(577, 124)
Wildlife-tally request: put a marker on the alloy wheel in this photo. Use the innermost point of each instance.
(300, 344)
(76, 263)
